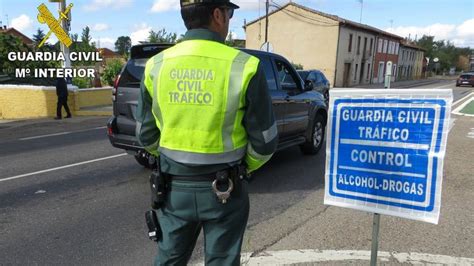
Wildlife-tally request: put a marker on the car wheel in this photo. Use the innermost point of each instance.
(457, 85)
(314, 144)
(142, 158)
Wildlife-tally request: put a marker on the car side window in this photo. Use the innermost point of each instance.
(285, 76)
(319, 78)
(269, 74)
(312, 77)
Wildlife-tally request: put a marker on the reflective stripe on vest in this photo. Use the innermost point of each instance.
(198, 89)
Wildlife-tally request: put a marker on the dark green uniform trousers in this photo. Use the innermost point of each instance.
(191, 206)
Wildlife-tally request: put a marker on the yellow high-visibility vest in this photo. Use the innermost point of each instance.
(198, 89)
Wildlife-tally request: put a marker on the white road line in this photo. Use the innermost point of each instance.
(45, 136)
(457, 111)
(443, 86)
(61, 167)
(61, 133)
(311, 256)
(463, 98)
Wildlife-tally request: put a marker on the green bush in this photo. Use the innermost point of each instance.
(82, 83)
(112, 69)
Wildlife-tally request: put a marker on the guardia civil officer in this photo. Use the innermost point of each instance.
(205, 110)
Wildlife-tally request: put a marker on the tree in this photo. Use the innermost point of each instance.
(447, 54)
(74, 37)
(84, 46)
(112, 69)
(38, 37)
(86, 37)
(426, 42)
(230, 39)
(161, 37)
(123, 45)
(9, 43)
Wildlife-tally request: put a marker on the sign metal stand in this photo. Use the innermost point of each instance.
(375, 239)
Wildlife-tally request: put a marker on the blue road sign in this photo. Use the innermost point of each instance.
(385, 151)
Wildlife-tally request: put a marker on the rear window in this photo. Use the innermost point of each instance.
(466, 76)
(147, 50)
(132, 74)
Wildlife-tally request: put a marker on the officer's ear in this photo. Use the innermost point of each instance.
(219, 16)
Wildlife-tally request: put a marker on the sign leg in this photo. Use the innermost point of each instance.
(375, 239)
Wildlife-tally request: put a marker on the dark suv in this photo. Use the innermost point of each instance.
(300, 112)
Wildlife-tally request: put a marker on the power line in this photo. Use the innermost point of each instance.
(312, 20)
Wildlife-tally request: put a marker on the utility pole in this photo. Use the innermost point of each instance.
(64, 24)
(267, 6)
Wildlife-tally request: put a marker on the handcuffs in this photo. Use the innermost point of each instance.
(222, 196)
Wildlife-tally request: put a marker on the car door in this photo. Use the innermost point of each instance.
(297, 114)
(277, 95)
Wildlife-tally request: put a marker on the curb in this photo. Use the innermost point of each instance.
(93, 113)
(401, 86)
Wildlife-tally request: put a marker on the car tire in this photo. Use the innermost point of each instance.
(314, 144)
(142, 158)
(457, 85)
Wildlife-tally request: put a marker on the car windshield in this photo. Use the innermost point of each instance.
(303, 74)
(133, 72)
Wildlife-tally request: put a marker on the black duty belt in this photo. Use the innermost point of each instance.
(191, 178)
(229, 177)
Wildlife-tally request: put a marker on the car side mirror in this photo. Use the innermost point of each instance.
(308, 85)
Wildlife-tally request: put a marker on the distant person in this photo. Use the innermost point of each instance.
(61, 92)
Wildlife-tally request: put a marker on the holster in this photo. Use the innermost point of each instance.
(154, 229)
(159, 186)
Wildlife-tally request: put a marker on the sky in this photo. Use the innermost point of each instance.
(451, 20)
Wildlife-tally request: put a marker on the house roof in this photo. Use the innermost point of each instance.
(407, 43)
(341, 21)
(14, 32)
(107, 53)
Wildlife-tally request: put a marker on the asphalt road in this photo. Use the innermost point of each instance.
(58, 206)
(93, 213)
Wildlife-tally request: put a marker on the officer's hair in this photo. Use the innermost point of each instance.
(197, 17)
